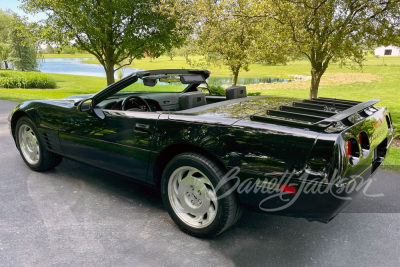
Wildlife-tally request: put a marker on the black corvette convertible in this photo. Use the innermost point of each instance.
(212, 156)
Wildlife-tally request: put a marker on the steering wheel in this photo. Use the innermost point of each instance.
(135, 102)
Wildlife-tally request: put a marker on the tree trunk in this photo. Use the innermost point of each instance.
(315, 80)
(5, 64)
(235, 76)
(109, 68)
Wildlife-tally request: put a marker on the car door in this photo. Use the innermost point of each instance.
(119, 142)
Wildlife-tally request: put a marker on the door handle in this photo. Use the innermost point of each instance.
(143, 128)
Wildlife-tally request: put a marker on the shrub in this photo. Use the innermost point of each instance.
(26, 80)
(215, 90)
(254, 93)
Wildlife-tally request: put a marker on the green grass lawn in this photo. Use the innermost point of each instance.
(385, 87)
(299, 66)
(392, 161)
(67, 85)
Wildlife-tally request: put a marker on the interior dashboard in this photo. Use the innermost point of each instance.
(142, 102)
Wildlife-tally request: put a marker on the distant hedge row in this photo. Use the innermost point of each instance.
(13, 79)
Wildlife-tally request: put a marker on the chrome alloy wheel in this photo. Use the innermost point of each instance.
(29, 144)
(192, 197)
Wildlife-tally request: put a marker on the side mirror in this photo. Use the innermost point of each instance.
(86, 105)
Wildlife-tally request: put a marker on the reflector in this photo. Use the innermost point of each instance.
(348, 148)
(288, 189)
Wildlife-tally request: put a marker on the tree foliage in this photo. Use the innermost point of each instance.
(328, 31)
(172, 53)
(21, 45)
(17, 42)
(113, 31)
(49, 49)
(5, 27)
(235, 41)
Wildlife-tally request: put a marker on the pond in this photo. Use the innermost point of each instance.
(75, 66)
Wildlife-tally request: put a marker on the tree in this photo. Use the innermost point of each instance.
(5, 27)
(115, 32)
(171, 53)
(49, 49)
(328, 31)
(235, 41)
(4, 54)
(22, 45)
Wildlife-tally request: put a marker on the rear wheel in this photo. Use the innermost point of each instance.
(189, 194)
(31, 147)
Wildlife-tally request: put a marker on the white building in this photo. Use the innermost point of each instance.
(387, 51)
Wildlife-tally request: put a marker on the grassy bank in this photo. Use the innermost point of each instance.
(67, 85)
(392, 161)
(256, 70)
(299, 66)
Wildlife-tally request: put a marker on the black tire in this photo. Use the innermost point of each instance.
(46, 160)
(227, 210)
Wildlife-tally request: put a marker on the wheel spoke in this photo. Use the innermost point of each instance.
(205, 181)
(212, 195)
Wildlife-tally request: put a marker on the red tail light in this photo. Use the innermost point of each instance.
(353, 150)
(348, 148)
(288, 189)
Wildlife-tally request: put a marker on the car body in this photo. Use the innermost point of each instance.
(267, 149)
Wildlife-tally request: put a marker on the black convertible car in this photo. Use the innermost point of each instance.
(212, 156)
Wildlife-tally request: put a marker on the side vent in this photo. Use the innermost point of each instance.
(48, 141)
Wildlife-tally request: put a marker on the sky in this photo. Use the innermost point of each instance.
(13, 5)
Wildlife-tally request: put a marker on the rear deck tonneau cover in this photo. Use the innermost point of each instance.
(317, 113)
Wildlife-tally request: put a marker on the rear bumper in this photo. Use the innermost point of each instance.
(313, 201)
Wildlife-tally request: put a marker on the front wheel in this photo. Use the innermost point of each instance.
(189, 194)
(31, 147)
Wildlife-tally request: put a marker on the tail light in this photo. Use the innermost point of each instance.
(348, 148)
(288, 189)
(352, 150)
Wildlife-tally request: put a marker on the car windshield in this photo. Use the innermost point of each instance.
(170, 84)
(174, 87)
